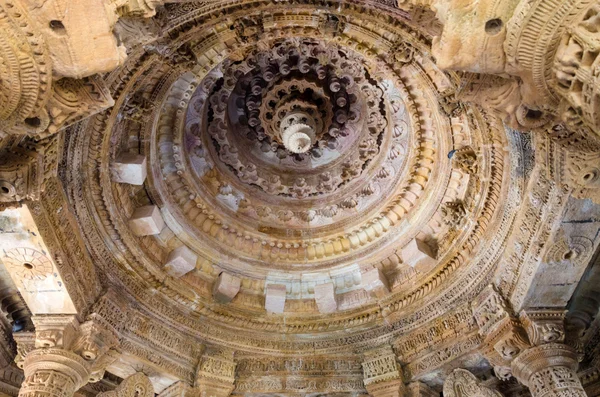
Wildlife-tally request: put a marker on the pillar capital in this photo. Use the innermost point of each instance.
(548, 369)
(57, 331)
(63, 354)
(53, 372)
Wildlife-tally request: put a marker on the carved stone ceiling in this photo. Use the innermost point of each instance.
(296, 197)
(290, 177)
(295, 145)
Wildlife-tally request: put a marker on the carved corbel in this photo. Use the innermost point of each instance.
(73, 100)
(138, 8)
(100, 333)
(504, 337)
(462, 383)
(248, 28)
(453, 212)
(332, 24)
(25, 166)
(498, 93)
(403, 53)
(382, 374)
(504, 344)
(25, 344)
(583, 173)
(216, 372)
(544, 325)
(137, 385)
(94, 340)
(465, 159)
(473, 35)
(57, 331)
(489, 309)
(110, 310)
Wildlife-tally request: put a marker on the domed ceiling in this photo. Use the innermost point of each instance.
(314, 147)
(299, 197)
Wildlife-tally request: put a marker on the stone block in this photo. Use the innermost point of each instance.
(275, 295)
(325, 298)
(418, 255)
(129, 168)
(374, 279)
(146, 221)
(180, 261)
(226, 287)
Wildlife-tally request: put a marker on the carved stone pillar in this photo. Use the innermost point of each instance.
(50, 368)
(549, 368)
(382, 374)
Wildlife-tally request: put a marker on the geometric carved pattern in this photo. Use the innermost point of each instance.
(27, 263)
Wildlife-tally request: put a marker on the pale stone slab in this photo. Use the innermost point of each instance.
(226, 287)
(26, 260)
(275, 298)
(129, 168)
(374, 279)
(325, 298)
(418, 253)
(180, 261)
(146, 221)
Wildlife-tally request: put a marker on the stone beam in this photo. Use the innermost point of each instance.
(34, 272)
